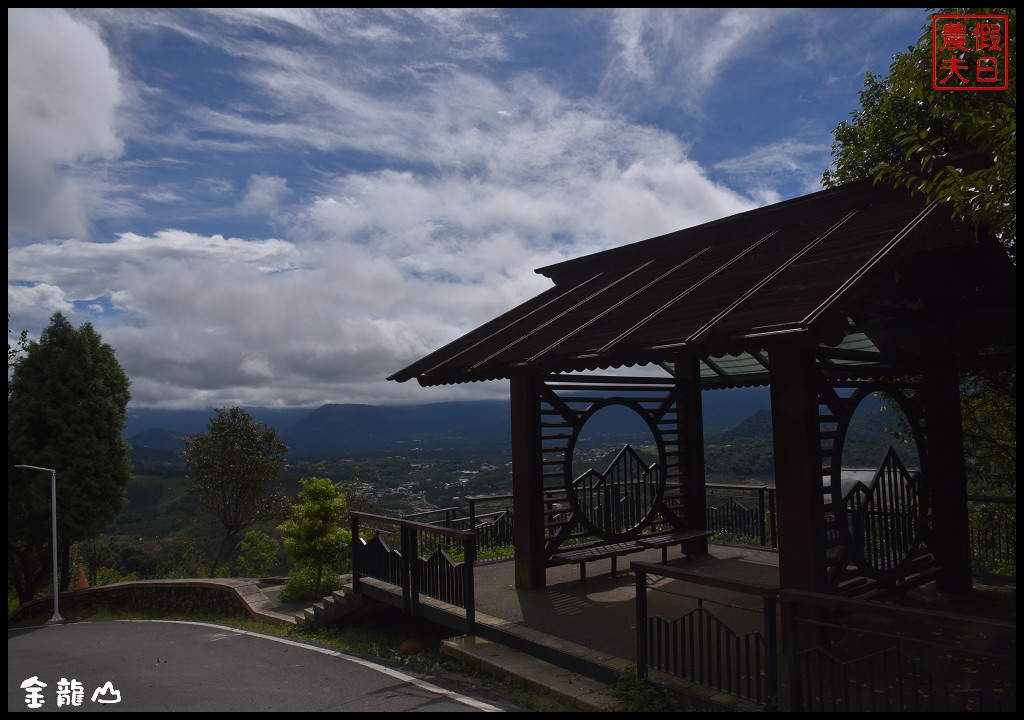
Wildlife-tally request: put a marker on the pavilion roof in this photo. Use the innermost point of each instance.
(862, 269)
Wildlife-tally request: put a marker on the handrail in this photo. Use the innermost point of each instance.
(403, 523)
(727, 485)
(895, 612)
(769, 600)
(454, 508)
(998, 499)
(449, 582)
(763, 527)
(741, 586)
(660, 646)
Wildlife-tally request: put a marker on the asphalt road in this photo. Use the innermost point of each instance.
(162, 666)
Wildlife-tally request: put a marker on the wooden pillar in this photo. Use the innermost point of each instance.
(690, 422)
(944, 468)
(527, 484)
(798, 478)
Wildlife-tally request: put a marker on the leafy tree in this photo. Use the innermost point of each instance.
(317, 536)
(988, 404)
(959, 148)
(259, 554)
(231, 471)
(67, 400)
(13, 351)
(956, 147)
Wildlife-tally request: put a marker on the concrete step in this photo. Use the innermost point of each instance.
(502, 661)
(330, 608)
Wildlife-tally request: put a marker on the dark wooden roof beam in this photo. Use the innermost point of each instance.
(877, 310)
(557, 317)
(620, 303)
(760, 356)
(771, 331)
(871, 265)
(702, 331)
(832, 354)
(698, 284)
(715, 367)
(512, 322)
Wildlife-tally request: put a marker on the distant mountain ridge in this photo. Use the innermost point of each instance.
(347, 428)
(757, 426)
(359, 428)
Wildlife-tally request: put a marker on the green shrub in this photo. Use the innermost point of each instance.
(317, 533)
(259, 554)
(109, 576)
(303, 585)
(641, 695)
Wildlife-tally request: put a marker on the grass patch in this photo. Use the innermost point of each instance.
(642, 695)
(512, 689)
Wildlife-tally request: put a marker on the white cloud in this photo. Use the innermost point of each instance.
(62, 96)
(674, 56)
(479, 182)
(397, 175)
(782, 157)
(264, 193)
(391, 266)
(34, 304)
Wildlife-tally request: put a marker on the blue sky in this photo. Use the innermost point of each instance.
(281, 207)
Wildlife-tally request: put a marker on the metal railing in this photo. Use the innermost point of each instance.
(993, 532)
(701, 647)
(738, 514)
(743, 514)
(857, 656)
(839, 655)
(746, 514)
(429, 561)
(489, 516)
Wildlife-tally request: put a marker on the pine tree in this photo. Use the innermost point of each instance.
(67, 404)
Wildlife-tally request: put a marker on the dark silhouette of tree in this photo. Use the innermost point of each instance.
(958, 148)
(231, 471)
(67, 400)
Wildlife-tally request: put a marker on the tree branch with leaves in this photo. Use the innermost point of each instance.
(231, 471)
(959, 149)
(67, 405)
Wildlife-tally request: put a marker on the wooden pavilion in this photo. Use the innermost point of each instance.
(825, 298)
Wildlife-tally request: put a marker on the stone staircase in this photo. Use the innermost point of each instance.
(332, 607)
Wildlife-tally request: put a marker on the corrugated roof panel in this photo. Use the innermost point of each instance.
(722, 287)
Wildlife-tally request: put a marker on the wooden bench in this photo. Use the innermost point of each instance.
(667, 540)
(595, 552)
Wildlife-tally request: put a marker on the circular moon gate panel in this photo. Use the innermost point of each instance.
(613, 478)
(881, 499)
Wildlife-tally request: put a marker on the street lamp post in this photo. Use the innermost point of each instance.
(53, 520)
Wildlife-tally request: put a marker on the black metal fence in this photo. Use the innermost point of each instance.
(855, 656)
(993, 532)
(427, 561)
(839, 655)
(743, 514)
(489, 516)
(738, 514)
(705, 647)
